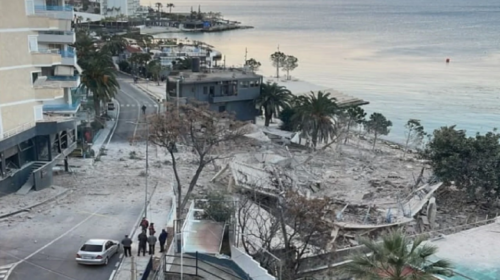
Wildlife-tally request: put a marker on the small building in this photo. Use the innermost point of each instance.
(231, 90)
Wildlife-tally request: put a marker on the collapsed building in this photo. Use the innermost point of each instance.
(371, 193)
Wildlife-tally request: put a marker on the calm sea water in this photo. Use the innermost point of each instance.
(390, 52)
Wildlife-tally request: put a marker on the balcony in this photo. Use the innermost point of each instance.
(59, 12)
(233, 98)
(68, 56)
(57, 81)
(46, 57)
(58, 37)
(48, 93)
(63, 108)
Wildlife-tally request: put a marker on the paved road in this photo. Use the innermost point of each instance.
(130, 99)
(46, 244)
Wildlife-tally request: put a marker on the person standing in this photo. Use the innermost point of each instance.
(144, 224)
(152, 230)
(152, 242)
(162, 238)
(127, 246)
(143, 239)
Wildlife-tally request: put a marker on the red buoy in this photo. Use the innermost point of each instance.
(447, 60)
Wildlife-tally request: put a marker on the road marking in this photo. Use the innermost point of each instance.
(121, 256)
(128, 105)
(50, 243)
(112, 274)
(117, 264)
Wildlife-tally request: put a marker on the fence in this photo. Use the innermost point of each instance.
(247, 263)
(200, 268)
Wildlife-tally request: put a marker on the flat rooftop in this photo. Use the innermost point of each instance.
(343, 100)
(473, 253)
(212, 75)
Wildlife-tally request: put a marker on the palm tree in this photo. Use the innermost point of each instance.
(397, 257)
(272, 99)
(99, 78)
(115, 45)
(158, 6)
(155, 68)
(170, 6)
(315, 113)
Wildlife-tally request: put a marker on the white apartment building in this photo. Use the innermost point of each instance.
(38, 70)
(117, 7)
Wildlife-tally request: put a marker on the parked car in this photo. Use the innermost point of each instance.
(97, 251)
(111, 106)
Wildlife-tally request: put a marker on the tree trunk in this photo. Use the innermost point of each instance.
(406, 144)
(347, 132)
(193, 182)
(97, 108)
(179, 187)
(278, 70)
(374, 140)
(288, 74)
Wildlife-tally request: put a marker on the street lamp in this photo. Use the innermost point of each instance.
(147, 169)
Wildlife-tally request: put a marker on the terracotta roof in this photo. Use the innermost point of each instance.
(131, 49)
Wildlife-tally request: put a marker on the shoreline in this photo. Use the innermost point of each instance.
(158, 30)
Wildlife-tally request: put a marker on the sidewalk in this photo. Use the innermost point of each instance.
(159, 211)
(157, 92)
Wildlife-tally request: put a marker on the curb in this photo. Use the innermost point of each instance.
(151, 95)
(28, 208)
(110, 134)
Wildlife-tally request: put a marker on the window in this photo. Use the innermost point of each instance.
(30, 7)
(212, 90)
(222, 109)
(38, 112)
(33, 43)
(109, 244)
(205, 90)
(34, 77)
(91, 248)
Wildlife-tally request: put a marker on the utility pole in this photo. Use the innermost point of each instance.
(147, 171)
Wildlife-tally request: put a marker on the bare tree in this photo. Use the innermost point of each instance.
(207, 134)
(292, 229)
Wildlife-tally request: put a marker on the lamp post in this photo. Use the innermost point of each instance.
(147, 168)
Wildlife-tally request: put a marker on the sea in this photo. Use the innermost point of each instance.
(391, 53)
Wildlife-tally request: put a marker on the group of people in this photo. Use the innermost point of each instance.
(145, 240)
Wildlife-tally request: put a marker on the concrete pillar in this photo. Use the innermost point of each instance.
(66, 164)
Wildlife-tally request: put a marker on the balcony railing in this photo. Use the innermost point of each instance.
(60, 12)
(63, 78)
(68, 53)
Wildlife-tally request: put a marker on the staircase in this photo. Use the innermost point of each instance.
(28, 184)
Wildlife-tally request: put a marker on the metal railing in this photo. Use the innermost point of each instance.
(70, 52)
(18, 129)
(199, 269)
(58, 12)
(62, 78)
(65, 8)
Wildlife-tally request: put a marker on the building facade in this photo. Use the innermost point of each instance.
(224, 90)
(120, 7)
(38, 74)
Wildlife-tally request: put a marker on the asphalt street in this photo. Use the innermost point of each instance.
(44, 247)
(131, 100)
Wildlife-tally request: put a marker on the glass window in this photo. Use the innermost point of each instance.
(205, 90)
(91, 248)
